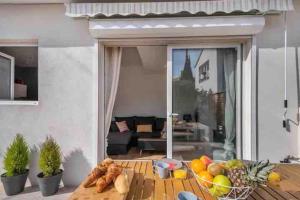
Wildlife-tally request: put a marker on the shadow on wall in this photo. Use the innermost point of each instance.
(76, 167)
(34, 165)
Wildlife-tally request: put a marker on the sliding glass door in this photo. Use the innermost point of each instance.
(202, 106)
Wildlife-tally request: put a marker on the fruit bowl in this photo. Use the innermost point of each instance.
(230, 193)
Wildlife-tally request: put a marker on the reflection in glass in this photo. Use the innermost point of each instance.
(204, 100)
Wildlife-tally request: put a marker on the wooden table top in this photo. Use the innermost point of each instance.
(146, 185)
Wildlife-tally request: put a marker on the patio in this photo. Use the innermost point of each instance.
(146, 185)
(33, 193)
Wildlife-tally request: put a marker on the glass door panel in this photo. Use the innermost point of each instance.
(203, 116)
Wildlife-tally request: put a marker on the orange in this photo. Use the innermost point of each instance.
(198, 166)
(205, 179)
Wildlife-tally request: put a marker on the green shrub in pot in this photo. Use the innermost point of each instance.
(49, 163)
(15, 162)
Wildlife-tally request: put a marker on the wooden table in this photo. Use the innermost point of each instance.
(146, 185)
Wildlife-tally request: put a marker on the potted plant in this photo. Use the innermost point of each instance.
(15, 161)
(49, 163)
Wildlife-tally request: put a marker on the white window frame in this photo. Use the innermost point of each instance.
(18, 43)
(247, 93)
(170, 48)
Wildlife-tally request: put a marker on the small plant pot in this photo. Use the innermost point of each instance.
(14, 184)
(49, 185)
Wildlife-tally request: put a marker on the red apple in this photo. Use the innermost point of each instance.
(206, 160)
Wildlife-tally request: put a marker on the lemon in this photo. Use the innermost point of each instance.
(274, 177)
(180, 174)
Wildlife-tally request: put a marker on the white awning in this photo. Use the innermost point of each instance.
(175, 7)
(176, 27)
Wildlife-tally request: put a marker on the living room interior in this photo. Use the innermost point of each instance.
(201, 78)
(140, 100)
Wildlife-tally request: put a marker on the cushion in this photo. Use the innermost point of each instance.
(122, 126)
(145, 121)
(159, 123)
(129, 121)
(113, 127)
(119, 138)
(144, 128)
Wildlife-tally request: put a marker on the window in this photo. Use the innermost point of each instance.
(204, 72)
(18, 74)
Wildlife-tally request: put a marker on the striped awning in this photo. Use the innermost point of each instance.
(175, 7)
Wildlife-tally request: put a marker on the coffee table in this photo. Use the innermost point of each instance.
(152, 144)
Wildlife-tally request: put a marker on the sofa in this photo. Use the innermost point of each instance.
(120, 143)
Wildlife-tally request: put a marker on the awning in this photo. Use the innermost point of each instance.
(176, 7)
(176, 27)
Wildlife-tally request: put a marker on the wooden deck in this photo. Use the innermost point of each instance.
(146, 185)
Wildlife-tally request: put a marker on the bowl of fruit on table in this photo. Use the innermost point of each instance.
(232, 179)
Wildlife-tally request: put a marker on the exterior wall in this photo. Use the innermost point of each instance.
(141, 92)
(67, 107)
(274, 141)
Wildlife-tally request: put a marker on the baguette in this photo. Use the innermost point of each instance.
(97, 172)
(93, 176)
(113, 172)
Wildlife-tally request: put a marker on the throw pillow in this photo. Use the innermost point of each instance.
(144, 128)
(129, 121)
(122, 126)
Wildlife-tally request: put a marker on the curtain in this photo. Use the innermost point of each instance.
(112, 67)
(228, 59)
(230, 101)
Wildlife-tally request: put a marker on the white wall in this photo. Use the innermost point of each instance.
(67, 107)
(275, 142)
(141, 91)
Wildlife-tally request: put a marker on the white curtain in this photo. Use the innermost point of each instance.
(229, 74)
(229, 58)
(112, 67)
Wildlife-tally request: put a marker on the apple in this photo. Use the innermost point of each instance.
(215, 169)
(222, 184)
(206, 160)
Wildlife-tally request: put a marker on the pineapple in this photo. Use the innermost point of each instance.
(257, 173)
(237, 177)
(250, 175)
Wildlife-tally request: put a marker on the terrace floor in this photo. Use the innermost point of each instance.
(33, 193)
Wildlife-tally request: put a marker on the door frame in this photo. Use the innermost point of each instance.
(248, 75)
(238, 47)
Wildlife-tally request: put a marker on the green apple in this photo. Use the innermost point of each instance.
(215, 192)
(222, 184)
(234, 164)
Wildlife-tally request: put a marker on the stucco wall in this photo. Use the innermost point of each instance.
(67, 107)
(141, 91)
(275, 142)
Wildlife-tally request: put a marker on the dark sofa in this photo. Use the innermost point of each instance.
(120, 143)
